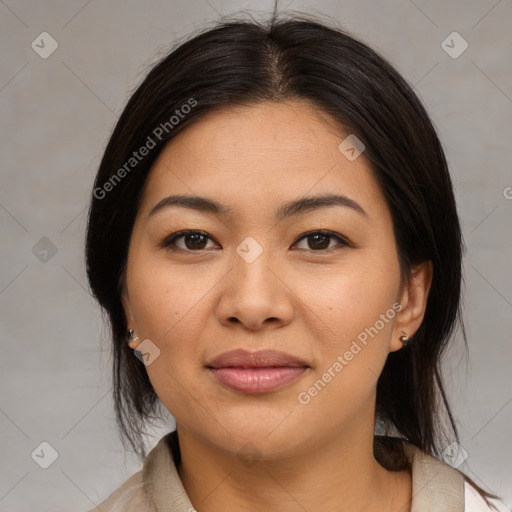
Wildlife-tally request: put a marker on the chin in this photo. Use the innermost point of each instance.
(270, 435)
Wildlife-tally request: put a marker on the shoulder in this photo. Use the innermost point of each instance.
(436, 484)
(154, 484)
(474, 502)
(127, 498)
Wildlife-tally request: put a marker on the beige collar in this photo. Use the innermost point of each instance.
(435, 485)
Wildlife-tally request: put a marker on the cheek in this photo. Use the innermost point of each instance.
(170, 309)
(360, 319)
(166, 297)
(354, 310)
(351, 297)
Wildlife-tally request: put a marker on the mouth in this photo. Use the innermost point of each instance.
(256, 372)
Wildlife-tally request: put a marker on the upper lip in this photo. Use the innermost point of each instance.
(262, 359)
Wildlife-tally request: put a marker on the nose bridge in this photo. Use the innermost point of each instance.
(254, 293)
(252, 262)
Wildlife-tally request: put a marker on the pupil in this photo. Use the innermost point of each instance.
(195, 237)
(319, 245)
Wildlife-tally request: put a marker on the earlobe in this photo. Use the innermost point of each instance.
(132, 339)
(414, 299)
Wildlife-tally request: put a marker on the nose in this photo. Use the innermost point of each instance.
(256, 293)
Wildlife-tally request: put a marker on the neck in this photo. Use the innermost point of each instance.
(341, 475)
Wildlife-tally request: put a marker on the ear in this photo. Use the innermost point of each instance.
(413, 299)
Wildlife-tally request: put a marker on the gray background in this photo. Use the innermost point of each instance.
(56, 116)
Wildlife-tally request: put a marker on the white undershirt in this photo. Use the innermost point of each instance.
(473, 501)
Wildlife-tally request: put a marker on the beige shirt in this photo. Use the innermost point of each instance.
(436, 486)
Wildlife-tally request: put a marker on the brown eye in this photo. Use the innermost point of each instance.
(193, 241)
(320, 240)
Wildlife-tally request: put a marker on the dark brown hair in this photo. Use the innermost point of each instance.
(247, 62)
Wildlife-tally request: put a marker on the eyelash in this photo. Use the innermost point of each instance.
(169, 242)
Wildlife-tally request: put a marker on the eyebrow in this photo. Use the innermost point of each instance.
(286, 210)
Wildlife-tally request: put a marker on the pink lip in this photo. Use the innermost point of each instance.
(257, 380)
(256, 372)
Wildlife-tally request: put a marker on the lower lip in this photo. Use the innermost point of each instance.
(258, 380)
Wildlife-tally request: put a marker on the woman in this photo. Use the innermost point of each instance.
(273, 234)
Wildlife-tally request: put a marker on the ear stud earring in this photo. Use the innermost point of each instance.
(404, 339)
(132, 341)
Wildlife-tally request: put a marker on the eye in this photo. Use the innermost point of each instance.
(320, 240)
(195, 240)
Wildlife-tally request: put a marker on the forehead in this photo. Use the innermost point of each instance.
(260, 155)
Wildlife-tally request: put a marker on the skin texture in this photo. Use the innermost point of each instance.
(312, 303)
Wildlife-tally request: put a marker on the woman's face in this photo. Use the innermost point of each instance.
(262, 278)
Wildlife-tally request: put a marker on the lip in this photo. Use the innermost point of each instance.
(256, 372)
(261, 359)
